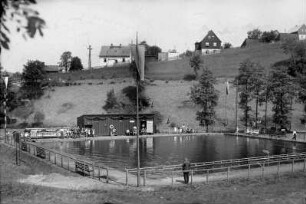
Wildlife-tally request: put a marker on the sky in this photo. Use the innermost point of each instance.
(72, 25)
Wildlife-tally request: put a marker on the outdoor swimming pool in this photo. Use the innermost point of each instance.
(172, 150)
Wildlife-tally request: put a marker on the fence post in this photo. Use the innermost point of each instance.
(304, 165)
(249, 169)
(228, 171)
(62, 161)
(263, 170)
(83, 169)
(99, 174)
(126, 177)
(172, 177)
(68, 164)
(107, 180)
(292, 170)
(144, 177)
(49, 156)
(55, 159)
(93, 170)
(278, 166)
(207, 173)
(191, 180)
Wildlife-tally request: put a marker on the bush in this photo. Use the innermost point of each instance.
(189, 77)
(172, 124)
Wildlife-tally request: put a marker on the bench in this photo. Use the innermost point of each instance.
(40, 152)
(83, 168)
(24, 146)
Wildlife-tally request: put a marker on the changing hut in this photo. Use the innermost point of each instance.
(103, 124)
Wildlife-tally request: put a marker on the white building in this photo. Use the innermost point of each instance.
(114, 55)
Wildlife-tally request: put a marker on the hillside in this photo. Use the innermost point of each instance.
(223, 65)
(63, 105)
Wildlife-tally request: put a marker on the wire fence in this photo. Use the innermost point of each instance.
(65, 161)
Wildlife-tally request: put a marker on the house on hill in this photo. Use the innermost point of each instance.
(296, 33)
(114, 55)
(300, 32)
(209, 45)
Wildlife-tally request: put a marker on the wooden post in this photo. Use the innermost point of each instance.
(99, 174)
(144, 177)
(107, 179)
(93, 170)
(61, 160)
(172, 177)
(228, 171)
(278, 166)
(126, 177)
(304, 165)
(207, 173)
(83, 169)
(191, 180)
(249, 169)
(49, 156)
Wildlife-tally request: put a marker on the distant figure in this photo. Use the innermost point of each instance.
(294, 135)
(186, 168)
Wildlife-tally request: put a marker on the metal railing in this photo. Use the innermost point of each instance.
(63, 160)
(223, 169)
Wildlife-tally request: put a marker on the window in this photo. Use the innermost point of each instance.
(123, 59)
(116, 61)
(209, 37)
(207, 44)
(215, 44)
(104, 59)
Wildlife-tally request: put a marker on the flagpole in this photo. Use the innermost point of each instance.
(226, 93)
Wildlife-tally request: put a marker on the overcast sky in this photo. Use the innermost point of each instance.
(74, 24)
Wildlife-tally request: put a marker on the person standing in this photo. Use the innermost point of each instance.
(186, 167)
(294, 135)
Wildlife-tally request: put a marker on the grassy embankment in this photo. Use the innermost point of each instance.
(289, 189)
(166, 89)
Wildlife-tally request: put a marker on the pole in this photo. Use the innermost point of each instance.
(89, 57)
(236, 106)
(137, 125)
(5, 95)
(137, 114)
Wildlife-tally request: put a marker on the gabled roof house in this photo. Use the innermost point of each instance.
(112, 55)
(210, 44)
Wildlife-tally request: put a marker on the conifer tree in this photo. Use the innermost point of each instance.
(205, 95)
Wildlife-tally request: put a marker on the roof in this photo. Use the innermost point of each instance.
(116, 116)
(211, 37)
(297, 29)
(53, 68)
(115, 51)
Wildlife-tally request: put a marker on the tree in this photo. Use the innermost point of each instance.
(283, 91)
(196, 63)
(254, 34)
(269, 36)
(33, 77)
(111, 104)
(76, 64)
(257, 83)
(244, 79)
(19, 12)
(66, 60)
(154, 50)
(227, 45)
(205, 95)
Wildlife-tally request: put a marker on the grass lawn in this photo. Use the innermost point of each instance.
(291, 188)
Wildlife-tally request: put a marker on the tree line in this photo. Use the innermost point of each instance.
(281, 85)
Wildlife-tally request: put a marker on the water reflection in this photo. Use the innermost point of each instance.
(172, 150)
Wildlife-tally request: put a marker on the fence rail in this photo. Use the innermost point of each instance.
(223, 169)
(63, 160)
